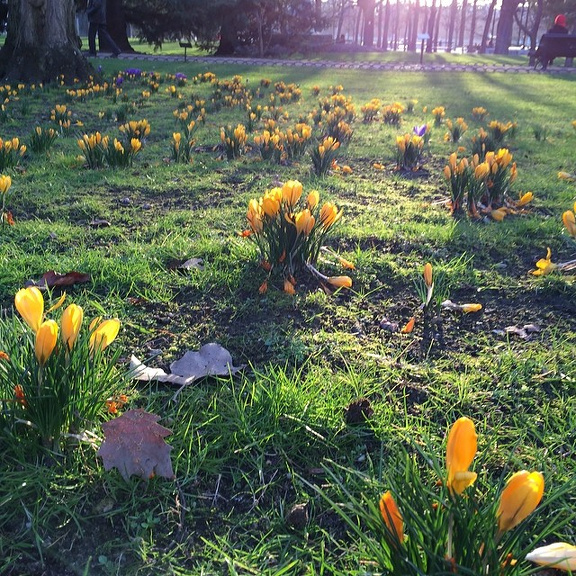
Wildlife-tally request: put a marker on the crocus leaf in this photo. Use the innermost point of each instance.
(134, 444)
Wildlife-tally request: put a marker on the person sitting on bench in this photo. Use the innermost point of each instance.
(559, 25)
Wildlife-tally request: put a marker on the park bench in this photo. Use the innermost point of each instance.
(554, 46)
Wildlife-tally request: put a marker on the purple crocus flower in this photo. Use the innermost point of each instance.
(420, 130)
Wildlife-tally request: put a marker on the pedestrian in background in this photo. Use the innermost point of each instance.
(96, 12)
(559, 25)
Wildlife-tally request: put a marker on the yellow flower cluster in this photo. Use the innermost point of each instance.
(30, 304)
(234, 140)
(519, 498)
(371, 109)
(139, 129)
(12, 146)
(479, 113)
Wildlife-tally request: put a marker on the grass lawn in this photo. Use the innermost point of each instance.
(275, 473)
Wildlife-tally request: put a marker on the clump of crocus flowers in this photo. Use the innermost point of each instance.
(6, 217)
(289, 229)
(58, 374)
(484, 185)
(438, 538)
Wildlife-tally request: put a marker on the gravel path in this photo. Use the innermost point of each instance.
(480, 68)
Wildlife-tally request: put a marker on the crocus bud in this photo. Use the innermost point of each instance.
(46, 338)
(559, 555)
(71, 322)
(520, 496)
(392, 517)
(30, 304)
(104, 334)
(460, 451)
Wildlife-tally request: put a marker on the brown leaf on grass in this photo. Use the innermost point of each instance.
(134, 444)
(358, 412)
(52, 279)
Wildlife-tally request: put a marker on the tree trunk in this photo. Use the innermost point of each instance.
(532, 32)
(368, 8)
(452, 24)
(462, 24)
(414, 35)
(386, 26)
(471, 46)
(505, 24)
(486, 32)
(436, 37)
(41, 43)
(116, 23)
(431, 23)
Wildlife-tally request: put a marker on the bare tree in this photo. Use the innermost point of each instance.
(532, 31)
(471, 46)
(462, 23)
(431, 24)
(487, 25)
(41, 42)
(505, 25)
(452, 24)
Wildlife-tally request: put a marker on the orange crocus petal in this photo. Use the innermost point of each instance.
(409, 326)
(289, 287)
(46, 338)
(428, 274)
(4, 356)
(340, 281)
(460, 451)
(467, 308)
(104, 334)
(499, 214)
(391, 516)
(518, 500)
(30, 304)
(263, 287)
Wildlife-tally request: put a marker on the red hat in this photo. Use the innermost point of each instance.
(560, 20)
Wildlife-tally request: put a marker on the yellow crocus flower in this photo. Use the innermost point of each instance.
(5, 183)
(569, 222)
(304, 222)
(46, 338)
(329, 215)
(313, 199)
(392, 517)
(71, 322)
(460, 451)
(518, 500)
(544, 265)
(291, 192)
(104, 334)
(340, 281)
(30, 304)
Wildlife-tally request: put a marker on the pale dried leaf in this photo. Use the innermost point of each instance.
(211, 360)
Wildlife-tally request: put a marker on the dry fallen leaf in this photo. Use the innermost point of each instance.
(211, 360)
(52, 279)
(135, 444)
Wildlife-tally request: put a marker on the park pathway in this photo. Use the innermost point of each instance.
(376, 66)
